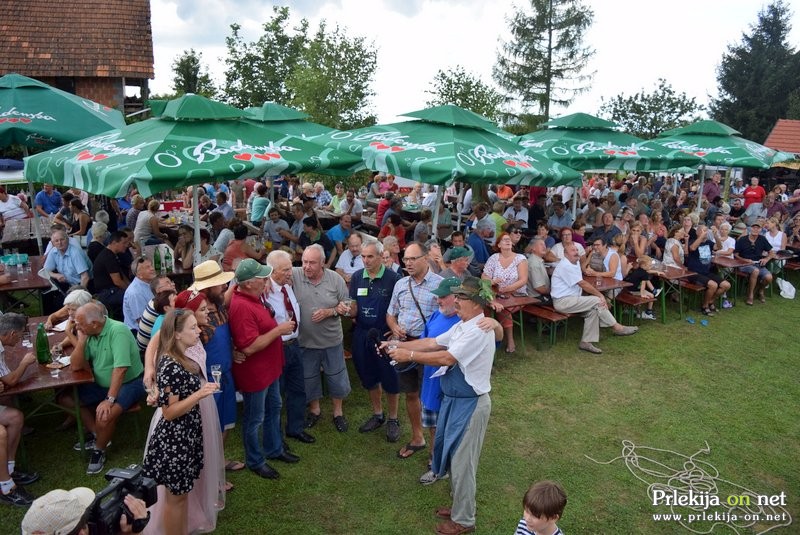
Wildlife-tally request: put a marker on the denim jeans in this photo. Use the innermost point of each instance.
(293, 389)
(262, 418)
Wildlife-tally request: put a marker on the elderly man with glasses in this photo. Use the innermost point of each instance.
(412, 304)
(350, 260)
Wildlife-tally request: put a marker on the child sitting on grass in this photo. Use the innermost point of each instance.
(641, 277)
(543, 506)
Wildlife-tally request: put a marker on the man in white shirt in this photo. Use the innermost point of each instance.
(281, 297)
(350, 260)
(465, 354)
(352, 206)
(11, 207)
(517, 214)
(566, 289)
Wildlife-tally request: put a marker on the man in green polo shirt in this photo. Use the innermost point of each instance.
(108, 349)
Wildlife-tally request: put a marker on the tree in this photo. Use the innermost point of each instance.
(257, 71)
(542, 63)
(328, 76)
(333, 81)
(457, 86)
(191, 76)
(647, 114)
(793, 106)
(755, 76)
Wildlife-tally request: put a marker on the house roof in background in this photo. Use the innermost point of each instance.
(86, 38)
(785, 136)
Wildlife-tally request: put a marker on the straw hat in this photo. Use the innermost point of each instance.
(58, 512)
(209, 274)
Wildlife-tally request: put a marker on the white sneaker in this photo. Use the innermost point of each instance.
(657, 292)
(429, 477)
(648, 315)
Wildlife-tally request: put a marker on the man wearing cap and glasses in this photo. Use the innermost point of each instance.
(755, 247)
(257, 334)
(66, 512)
(465, 355)
(280, 295)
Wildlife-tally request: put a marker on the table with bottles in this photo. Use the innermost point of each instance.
(41, 377)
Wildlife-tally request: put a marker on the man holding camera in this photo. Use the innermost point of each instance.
(66, 511)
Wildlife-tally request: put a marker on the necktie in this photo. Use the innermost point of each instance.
(288, 304)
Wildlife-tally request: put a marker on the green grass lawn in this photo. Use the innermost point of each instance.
(733, 384)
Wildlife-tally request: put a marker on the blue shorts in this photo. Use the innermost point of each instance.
(131, 393)
(372, 369)
(762, 271)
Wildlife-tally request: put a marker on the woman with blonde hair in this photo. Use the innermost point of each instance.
(174, 456)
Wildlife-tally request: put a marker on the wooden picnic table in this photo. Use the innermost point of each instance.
(672, 277)
(37, 377)
(23, 285)
(730, 265)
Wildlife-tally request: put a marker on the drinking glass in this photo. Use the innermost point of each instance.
(349, 304)
(216, 375)
(55, 354)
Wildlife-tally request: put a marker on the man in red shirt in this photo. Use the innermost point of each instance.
(257, 335)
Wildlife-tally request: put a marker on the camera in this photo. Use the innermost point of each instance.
(108, 506)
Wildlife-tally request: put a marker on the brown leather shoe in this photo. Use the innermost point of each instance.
(443, 512)
(453, 528)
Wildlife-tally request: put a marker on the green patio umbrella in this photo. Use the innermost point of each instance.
(195, 140)
(716, 143)
(34, 114)
(436, 153)
(285, 120)
(583, 142)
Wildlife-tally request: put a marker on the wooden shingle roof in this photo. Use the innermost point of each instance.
(785, 136)
(91, 38)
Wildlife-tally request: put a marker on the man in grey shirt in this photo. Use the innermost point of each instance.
(321, 293)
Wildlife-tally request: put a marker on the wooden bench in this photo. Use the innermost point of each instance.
(632, 303)
(547, 318)
(695, 290)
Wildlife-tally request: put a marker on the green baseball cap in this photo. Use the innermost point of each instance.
(459, 252)
(446, 287)
(252, 269)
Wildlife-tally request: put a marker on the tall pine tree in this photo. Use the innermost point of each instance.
(543, 61)
(757, 75)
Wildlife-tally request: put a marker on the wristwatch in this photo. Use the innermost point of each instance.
(111, 399)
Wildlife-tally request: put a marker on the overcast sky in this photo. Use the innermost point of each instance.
(636, 41)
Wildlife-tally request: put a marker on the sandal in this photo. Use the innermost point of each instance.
(410, 449)
(228, 486)
(712, 307)
(234, 466)
(707, 311)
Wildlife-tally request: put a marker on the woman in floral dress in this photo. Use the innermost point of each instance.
(174, 455)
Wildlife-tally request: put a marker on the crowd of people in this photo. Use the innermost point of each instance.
(263, 313)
